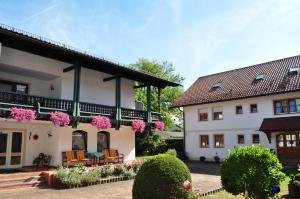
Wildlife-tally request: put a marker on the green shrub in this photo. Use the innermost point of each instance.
(171, 152)
(177, 144)
(294, 185)
(79, 168)
(118, 170)
(129, 173)
(105, 171)
(89, 177)
(161, 177)
(251, 171)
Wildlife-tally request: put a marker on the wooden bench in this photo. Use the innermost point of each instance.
(70, 158)
(113, 156)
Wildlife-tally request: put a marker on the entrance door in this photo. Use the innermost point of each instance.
(11, 145)
(288, 145)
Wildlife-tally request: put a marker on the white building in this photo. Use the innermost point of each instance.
(258, 104)
(45, 76)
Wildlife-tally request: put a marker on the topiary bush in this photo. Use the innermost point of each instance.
(161, 177)
(171, 152)
(251, 171)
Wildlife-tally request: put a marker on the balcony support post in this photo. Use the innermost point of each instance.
(76, 93)
(149, 119)
(159, 102)
(118, 102)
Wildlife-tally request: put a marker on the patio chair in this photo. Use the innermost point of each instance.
(112, 156)
(81, 157)
(70, 158)
(115, 153)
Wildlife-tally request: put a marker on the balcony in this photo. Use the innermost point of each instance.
(44, 105)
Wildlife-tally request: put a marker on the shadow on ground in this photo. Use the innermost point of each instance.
(208, 168)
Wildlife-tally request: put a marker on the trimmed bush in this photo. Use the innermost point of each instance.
(161, 177)
(251, 171)
(294, 185)
(118, 170)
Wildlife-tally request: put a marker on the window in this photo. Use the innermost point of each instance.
(241, 139)
(260, 77)
(280, 141)
(294, 69)
(290, 140)
(219, 141)
(255, 138)
(253, 108)
(287, 106)
(239, 109)
(79, 140)
(102, 141)
(9, 86)
(204, 141)
(217, 85)
(203, 114)
(217, 113)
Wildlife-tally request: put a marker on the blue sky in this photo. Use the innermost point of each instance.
(199, 37)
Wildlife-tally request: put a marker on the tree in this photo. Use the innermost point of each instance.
(168, 95)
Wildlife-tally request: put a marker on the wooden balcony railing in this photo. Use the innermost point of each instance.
(47, 104)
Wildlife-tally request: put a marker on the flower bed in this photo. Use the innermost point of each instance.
(59, 118)
(80, 175)
(21, 114)
(138, 126)
(101, 122)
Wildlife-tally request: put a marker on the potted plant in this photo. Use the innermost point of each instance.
(217, 158)
(41, 160)
(202, 159)
(294, 185)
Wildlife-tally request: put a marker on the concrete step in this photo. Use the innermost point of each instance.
(20, 185)
(20, 180)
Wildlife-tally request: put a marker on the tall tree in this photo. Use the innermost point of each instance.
(171, 117)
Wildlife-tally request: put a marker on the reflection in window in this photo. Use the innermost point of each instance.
(79, 140)
(291, 140)
(102, 141)
(280, 142)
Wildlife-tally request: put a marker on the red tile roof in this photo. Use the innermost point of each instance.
(241, 83)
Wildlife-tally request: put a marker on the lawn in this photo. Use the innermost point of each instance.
(225, 195)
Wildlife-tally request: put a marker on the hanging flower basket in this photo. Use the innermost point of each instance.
(101, 122)
(138, 126)
(59, 118)
(159, 125)
(21, 114)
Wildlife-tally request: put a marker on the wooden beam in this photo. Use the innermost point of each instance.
(158, 100)
(109, 78)
(68, 69)
(76, 92)
(140, 86)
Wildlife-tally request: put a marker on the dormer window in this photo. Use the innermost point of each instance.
(294, 70)
(260, 77)
(217, 85)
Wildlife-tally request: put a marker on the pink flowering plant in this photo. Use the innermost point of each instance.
(138, 125)
(21, 114)
(159, 125)
(101, 122)
(59, 118)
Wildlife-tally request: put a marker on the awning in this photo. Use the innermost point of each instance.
(280, 124)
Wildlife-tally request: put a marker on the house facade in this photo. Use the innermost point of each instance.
(39, 74)
(258, 104)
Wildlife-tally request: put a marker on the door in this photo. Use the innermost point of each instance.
(11, 153)
(288, 145)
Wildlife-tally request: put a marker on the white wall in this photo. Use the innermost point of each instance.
(231, 125)
(47, 72)
(61, 140)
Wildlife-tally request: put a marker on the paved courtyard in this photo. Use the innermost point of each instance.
(205, 177)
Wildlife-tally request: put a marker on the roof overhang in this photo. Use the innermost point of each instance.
(27, 42)
(280, 124)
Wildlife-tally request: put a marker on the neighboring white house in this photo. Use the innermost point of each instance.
(258, 104)
(40, 74)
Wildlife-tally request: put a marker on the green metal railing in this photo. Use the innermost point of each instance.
(44, 105)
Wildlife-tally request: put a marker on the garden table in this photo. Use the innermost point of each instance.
(97, 156)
